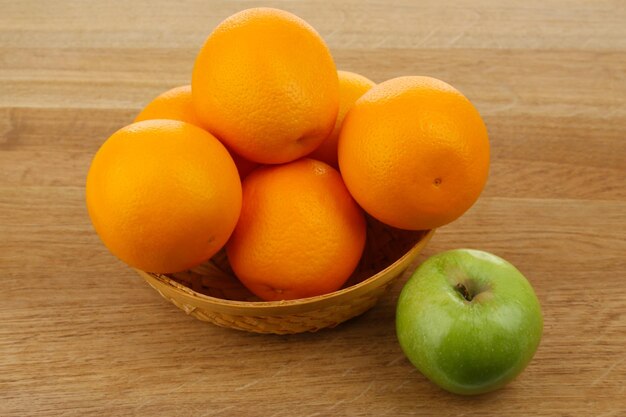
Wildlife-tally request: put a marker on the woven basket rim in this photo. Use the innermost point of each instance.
(161, 281)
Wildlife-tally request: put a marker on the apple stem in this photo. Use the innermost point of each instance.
(462, 289)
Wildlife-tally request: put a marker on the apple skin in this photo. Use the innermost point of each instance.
(468, 347)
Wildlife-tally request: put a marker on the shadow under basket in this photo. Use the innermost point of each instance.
(212, 293)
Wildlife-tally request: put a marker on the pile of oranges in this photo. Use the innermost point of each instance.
(275, 155)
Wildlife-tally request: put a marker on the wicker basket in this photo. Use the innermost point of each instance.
(212, 293)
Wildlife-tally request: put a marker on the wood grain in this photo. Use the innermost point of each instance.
(81, 334)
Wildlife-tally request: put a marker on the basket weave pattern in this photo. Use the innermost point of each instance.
(212, 293)
(293, 323)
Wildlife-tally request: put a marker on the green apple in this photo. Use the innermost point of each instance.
(469, 321)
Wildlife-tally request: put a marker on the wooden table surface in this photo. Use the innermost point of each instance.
(82, 334)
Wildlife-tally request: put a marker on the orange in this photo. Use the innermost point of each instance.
(414, 153)
(351, 87)
(244, 166)
(176, 104)
(300, 233)
(266, 85)
(163, 195)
